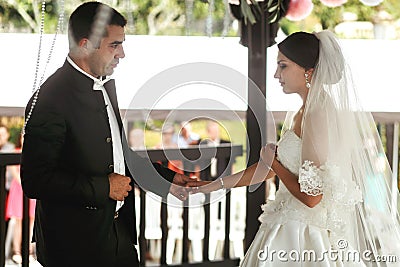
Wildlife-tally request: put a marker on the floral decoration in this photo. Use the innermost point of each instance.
(293, 9)
(299, 9)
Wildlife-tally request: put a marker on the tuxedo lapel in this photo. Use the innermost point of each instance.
(112, 94)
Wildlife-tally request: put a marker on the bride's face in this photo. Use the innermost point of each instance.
(290, 76)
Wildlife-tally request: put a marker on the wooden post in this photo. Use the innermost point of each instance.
(256, 115)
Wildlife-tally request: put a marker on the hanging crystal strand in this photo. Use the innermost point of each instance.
(41, 29)
(227, 19)
(209, 21)
(189, 16)
(60, 26)
(131, 23)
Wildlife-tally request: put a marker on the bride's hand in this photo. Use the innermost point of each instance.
(204, 187)
(267, 154)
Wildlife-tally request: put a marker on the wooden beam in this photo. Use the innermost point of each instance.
(256, 115)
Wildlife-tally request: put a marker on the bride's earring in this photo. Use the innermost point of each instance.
(308, 84)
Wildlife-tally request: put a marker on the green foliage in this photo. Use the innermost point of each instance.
(288, 26)
(15, 134)
(329, 16)
(25, 16)
(393, 7)
(141, 11)
(168, 17)
(364, 13)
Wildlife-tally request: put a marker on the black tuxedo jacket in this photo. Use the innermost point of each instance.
(66, 158)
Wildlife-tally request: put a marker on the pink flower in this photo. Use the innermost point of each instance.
(333, 3)
(299, 9)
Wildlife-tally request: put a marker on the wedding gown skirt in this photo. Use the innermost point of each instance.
(291, 244)
(292, 234)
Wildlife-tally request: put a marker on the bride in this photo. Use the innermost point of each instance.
(334, 205)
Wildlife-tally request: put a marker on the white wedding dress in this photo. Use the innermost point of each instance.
(291, 233)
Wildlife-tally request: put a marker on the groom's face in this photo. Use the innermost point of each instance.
(104, 59)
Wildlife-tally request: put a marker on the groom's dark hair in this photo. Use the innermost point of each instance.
(91, 19)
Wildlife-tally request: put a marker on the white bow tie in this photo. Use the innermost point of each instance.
(99, 84)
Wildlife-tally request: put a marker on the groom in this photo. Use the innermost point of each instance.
(75, 160)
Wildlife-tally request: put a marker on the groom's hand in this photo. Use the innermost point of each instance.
(179, 186)
(119, 186)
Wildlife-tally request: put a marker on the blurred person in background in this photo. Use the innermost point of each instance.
(6, 147)
(14, 211)
(183, 139)
(186, 136)
(136, 139)
(167, 136)
(219, 167)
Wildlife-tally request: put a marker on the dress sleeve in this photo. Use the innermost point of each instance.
(310, 179)
(314, 153)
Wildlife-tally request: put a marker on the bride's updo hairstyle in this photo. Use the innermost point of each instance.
(301, 48)
(320, 51)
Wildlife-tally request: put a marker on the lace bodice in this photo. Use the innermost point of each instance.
(285, 206)
(329, 213)
(289, 149)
